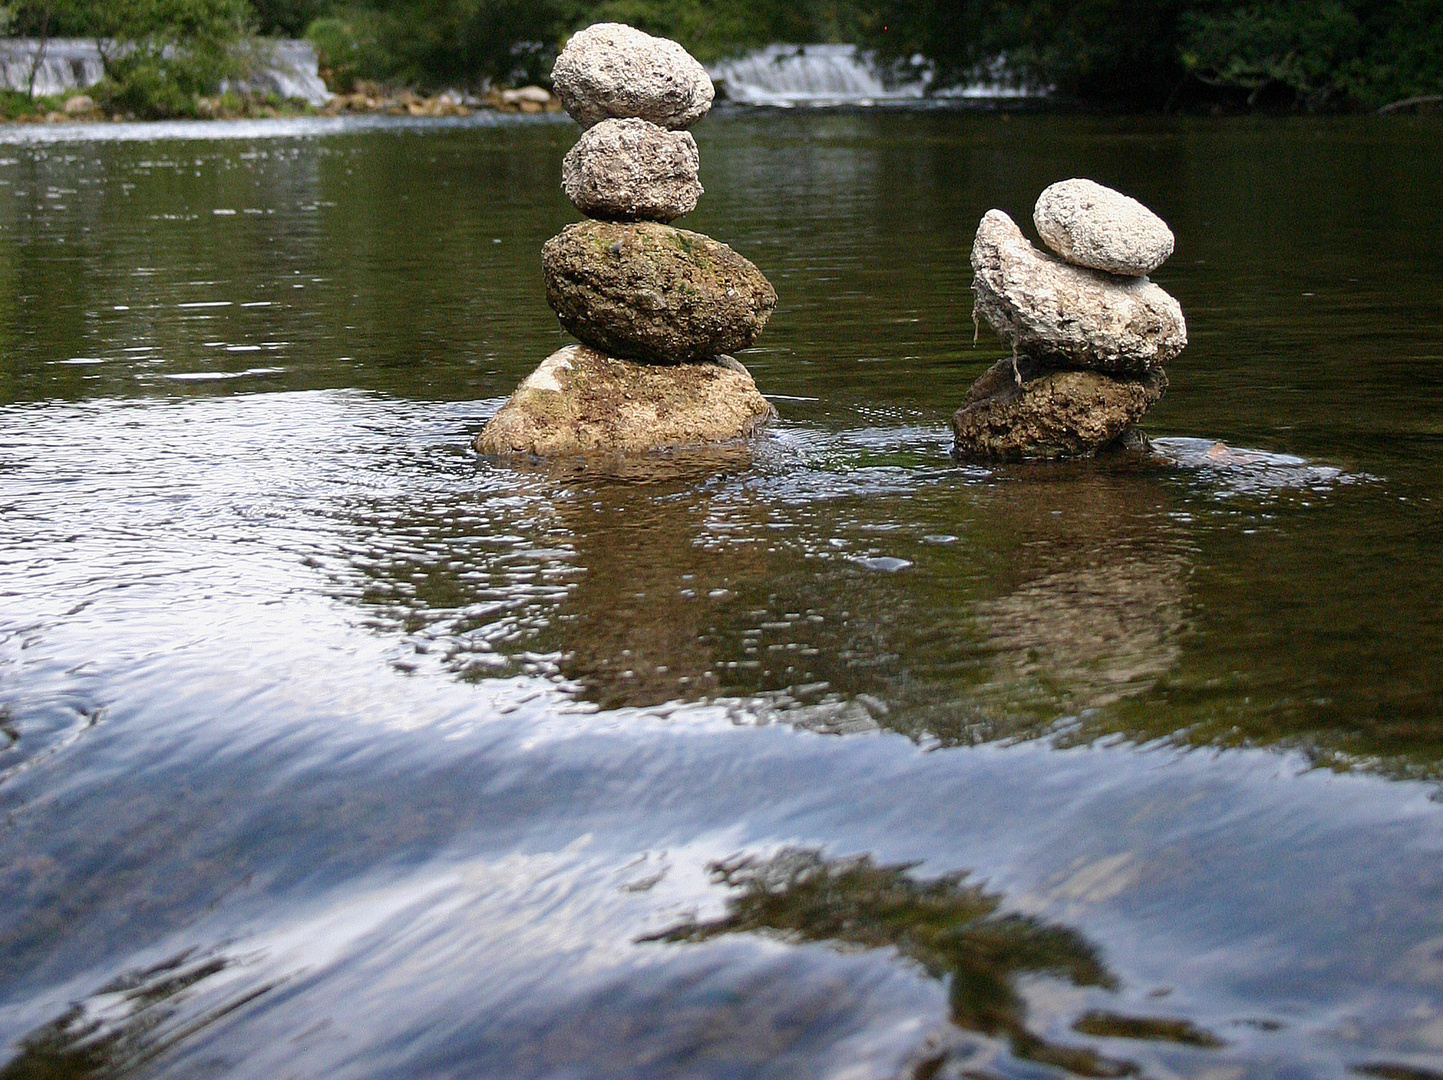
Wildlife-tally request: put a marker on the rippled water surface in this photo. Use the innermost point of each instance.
(329, 749)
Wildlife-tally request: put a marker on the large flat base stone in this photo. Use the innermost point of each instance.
(1053, 414)
(581, 401)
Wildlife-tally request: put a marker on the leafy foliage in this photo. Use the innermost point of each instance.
(443, 42)
(1321, 51)
(1149, 53)
(1143, 52)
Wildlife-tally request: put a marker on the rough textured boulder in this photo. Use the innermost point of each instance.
(646, 291)
(611, 70)
(625, 170)
(581, 401)
(1052, 414)
(1068, 316)
(1091, 225)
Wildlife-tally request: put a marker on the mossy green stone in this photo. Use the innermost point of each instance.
(646, 291)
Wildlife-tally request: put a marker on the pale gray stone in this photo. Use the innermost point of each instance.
(629, 170)
(582, 401)
(1094, 226)
(1049, 414)
(1068, 316)
(613, 70)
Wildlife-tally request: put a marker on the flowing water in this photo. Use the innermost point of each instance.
(333, 750)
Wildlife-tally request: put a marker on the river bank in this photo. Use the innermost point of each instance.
(368, 98)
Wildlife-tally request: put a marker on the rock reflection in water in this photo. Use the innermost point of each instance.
(951, 928)
(1078, 601)
(1100, 608)
(632, 631)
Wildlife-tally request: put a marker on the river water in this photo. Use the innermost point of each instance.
(333, 750)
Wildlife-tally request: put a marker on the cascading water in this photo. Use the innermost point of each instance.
(806, 74)
(788, 75)
(57, 66)
(286, 68)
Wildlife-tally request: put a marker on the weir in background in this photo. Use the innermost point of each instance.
(789, 75)
(285, 67)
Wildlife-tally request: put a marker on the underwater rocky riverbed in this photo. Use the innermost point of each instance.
(331, 749)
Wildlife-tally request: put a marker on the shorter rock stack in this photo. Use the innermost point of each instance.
(1089, 332)
(658, 309)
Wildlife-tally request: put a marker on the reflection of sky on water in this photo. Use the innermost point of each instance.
(247, 630)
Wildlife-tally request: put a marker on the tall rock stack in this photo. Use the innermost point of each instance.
(658, 309)
(1089, 332)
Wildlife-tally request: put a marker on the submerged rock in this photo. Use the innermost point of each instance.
(1052, 414)
(1069, 316)
(629, 169)
(580, 401)
(647, 291)
(611, 70)
(1095, 226)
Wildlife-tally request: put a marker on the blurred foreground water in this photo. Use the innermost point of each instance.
(331, 750)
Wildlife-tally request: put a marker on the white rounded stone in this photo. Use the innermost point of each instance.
(1067, 316)
(630, 170)
(1102, 229)
(612, 70)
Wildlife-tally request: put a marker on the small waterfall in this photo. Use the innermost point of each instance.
(66, 64)
(788, 75)
(806, 75)
(287, 68)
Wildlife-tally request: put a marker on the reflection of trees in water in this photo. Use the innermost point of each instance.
(127, 1023)
(952, 929)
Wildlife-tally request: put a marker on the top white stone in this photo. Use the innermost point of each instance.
(1094, 226)
(612, 70)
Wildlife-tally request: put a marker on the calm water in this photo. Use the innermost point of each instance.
(331, 750)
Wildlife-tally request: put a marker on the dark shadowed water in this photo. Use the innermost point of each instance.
(332, 750)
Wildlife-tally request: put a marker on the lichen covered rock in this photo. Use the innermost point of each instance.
(610, 69)
(647, 291)
(628, 170)
(1067, 316)
(1053, 414)
(1097, 227)
(582, 401)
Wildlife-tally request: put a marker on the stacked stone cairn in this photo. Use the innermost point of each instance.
(1089, 332)
(658, 309)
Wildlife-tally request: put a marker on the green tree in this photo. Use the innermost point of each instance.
(1320, 51)
(1336, 53)
(160, 56)
(288, 17)
(436, 43)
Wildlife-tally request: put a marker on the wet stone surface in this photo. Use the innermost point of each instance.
(1021, 410)
(581, 401)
